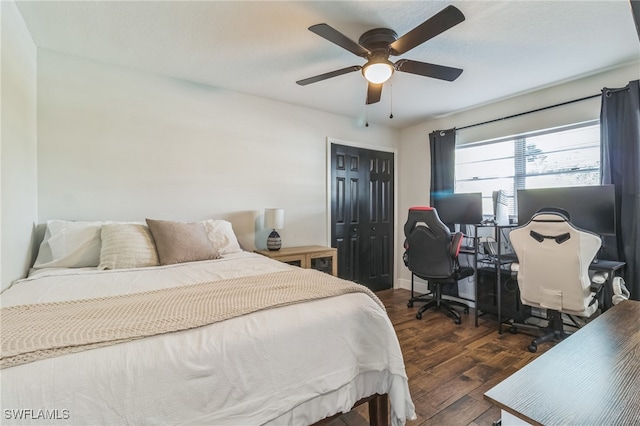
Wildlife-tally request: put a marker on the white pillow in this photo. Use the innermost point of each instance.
(70, 244)
(221, 235)
(127, 245)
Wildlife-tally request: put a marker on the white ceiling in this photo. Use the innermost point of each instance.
(262, 48)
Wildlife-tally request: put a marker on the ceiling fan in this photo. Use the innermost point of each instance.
(378, 44)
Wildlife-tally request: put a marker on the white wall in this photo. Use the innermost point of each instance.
(115, 143)
(119, 144)
(17, 145)
(414, 157)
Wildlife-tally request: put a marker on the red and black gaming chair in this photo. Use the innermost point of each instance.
(431, 253)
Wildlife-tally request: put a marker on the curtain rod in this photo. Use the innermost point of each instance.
(529, 112)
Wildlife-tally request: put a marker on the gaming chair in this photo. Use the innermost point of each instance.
(553, 270)
(431, 253)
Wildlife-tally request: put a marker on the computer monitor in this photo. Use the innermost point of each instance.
(590, 207)
(463, 209)
(500, 207)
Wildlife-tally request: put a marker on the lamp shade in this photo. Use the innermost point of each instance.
(274, 218)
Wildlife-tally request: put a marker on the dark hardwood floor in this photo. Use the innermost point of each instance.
(449, 366)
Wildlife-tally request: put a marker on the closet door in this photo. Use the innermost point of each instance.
(362, 214)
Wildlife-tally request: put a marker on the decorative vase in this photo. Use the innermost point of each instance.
(274, 242)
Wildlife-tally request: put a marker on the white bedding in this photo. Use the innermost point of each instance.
(291, 365)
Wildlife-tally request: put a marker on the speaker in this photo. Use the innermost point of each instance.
(487, 302)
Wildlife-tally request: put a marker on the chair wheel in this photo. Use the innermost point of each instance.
(532, 348)
(513, 330)
(466, 310)
(410, 304)
(457, 321)
(419, 315)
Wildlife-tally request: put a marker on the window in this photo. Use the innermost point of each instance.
(568, 156)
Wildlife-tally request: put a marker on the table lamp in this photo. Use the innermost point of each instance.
(274, 219)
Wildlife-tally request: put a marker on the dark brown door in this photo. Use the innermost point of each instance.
(362, 214)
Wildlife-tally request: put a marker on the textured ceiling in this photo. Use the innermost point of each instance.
(262, 48)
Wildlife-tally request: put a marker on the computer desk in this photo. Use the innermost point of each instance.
(498, 261)
(591, 377)
(601, 265)
(609, 266)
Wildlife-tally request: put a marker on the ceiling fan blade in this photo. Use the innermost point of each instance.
(374, 91)
(327, 75)
(336, 37)
(428, 70)
(448, 17)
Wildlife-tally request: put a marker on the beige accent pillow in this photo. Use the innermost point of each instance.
(127, 246)
(180, 242)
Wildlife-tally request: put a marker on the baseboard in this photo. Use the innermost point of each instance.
(419, 286)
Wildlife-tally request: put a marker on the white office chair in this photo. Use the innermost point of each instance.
(553, 270)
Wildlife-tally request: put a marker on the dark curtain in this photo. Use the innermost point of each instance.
(620, 162)
(443, 161)
(442, 145)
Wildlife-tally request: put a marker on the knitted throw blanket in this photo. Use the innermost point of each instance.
(33, 332)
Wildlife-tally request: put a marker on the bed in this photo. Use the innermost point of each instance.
(290, 363)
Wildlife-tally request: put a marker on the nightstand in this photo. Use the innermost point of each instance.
(322, 258)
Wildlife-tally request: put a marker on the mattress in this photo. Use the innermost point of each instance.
(294, 364)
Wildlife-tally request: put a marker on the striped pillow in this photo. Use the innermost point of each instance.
(127, 246)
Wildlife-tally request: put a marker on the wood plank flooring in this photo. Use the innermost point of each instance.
(449, 366)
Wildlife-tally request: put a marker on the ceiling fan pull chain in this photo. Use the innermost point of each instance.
(391, 100)
(366, 116)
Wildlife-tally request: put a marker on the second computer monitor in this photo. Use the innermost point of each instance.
(463, 209)
(590, 207)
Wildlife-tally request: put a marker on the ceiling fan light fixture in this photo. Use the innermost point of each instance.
(378, 72)
(378, 44)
